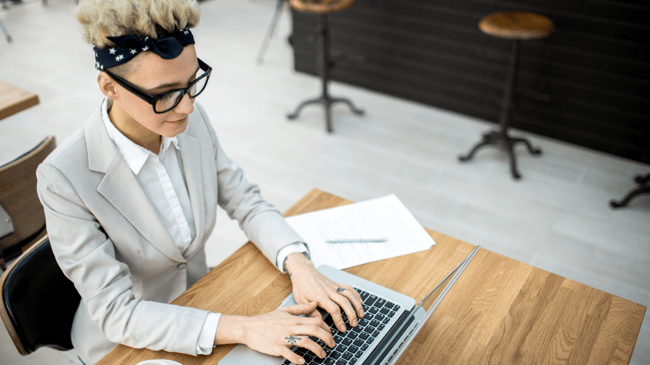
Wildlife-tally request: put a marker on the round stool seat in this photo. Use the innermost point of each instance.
(321, 7)
(516, 25)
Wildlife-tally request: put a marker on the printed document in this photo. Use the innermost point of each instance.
(383, 218)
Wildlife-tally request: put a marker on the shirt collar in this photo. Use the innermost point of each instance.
(134, 155)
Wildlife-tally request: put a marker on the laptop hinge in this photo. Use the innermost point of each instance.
(388, 342)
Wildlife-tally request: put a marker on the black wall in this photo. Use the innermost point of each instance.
(595, 66)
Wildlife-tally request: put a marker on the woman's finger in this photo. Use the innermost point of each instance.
(290, 355)
(312, 346)
(310, 321)
(344, 303)
(299, 309)
(314, 331)
(316, 314)
(335, 313)
(354, 298)
(318, 321)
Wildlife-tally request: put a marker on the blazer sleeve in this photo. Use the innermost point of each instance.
(241, 199)
(87, 257)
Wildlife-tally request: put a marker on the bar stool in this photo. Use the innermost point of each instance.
(323, 8)
(643, 187)
(515, 25)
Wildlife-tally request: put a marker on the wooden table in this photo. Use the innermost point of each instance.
(500, 311)
(14, 99)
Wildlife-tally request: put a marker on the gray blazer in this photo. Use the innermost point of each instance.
(111, 242)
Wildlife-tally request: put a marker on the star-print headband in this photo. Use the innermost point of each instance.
(128, 46)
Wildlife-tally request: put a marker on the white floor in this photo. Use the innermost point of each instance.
(556, 218)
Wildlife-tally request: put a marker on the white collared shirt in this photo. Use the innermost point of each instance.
(162, 179)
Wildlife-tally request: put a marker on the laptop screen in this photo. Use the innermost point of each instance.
(410, 327)
(431, 300)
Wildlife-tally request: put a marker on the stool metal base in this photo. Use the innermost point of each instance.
(644, 188)
(327, 102)
(500, 137)
(324, 65)
(505, 142)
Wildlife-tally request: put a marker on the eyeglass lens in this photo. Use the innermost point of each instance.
(170, 100)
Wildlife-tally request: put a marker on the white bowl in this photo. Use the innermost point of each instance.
(158, 362)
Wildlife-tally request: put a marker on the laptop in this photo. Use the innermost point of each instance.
(390, 323)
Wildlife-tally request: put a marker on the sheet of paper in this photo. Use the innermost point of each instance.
(383, 217)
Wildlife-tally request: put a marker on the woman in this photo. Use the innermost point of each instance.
(131, 198)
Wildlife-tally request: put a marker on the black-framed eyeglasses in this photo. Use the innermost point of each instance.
(168, 100)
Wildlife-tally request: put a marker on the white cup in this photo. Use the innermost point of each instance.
(158, 362)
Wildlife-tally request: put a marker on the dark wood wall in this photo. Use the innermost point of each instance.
(595, 66)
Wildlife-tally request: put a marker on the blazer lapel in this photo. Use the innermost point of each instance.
(190, 149)
(121, 188)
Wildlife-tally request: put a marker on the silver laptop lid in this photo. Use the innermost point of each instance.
(430, 301)
(420, 313)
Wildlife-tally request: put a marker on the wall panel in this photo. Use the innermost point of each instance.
(595, 66)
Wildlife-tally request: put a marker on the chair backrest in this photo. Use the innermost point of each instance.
(38, 301)
(18, 194)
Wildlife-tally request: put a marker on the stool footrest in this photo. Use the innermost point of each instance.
(501, 139)
(643, 188)
(327, 102)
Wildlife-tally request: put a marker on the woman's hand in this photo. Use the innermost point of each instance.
(276, 332)
(310, 286)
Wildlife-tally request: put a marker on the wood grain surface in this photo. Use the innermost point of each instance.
(500, 311)
(14, 99)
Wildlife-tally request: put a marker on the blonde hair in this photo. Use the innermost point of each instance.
(100, 19)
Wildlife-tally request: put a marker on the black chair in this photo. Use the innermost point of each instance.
(38, 301)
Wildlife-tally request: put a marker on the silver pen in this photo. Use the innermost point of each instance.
(358, 240)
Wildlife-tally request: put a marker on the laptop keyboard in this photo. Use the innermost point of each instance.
(356, 340)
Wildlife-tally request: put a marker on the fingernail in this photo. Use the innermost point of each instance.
(342, 328)
(301, 361)
(354, 322)
(322, 354)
